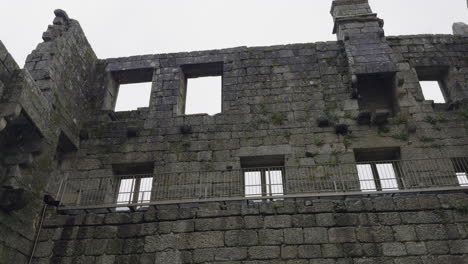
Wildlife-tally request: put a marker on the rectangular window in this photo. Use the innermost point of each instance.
(462, 179)
(376, 92)
(461, 170)
(134, 184)
(377, 169)
(433, 83)
(431, 91)
(128, 90)
(263, 176)
(263, 181)
(203, 95)
(133, 96)
(201, 89)
(136, 189)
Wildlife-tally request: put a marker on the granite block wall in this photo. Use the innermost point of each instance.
(38, 126)
(302, 102)
(430, 228)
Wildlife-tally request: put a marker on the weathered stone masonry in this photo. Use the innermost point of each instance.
(408, 229)
(312, 104)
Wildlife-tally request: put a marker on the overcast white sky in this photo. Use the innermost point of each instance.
(122, 28)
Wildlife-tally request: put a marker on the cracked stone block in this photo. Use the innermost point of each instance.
(394, 249)
(264, 252)
(342, 234)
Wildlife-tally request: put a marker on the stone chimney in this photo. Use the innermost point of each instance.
(363, 36)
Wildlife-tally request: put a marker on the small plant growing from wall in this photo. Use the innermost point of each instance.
(319, 141)
(463, 112)
(441, 117)
(278, 118)
(431, 120)
(400, 119)
(461, 207)
(383, 129)
(263, 108)
(426, 139)
(403, 136)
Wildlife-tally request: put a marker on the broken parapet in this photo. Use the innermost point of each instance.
(460, 29)
(61, 23)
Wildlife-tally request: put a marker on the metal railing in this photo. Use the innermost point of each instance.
(265, 183)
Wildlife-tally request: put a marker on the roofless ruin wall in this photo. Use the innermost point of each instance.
(314, 112)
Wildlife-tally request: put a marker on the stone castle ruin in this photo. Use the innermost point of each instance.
(323, 153)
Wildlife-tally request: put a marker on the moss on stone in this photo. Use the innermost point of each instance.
(278, 118)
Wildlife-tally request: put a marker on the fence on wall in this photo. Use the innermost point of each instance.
(125, 192)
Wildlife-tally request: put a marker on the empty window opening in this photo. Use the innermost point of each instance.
(132, 96)
(263, 175)
(461, 170)
(203, 95)
(134, 184)
(431, 91)
(433, 83)
(201, 89)
(376, 92)
(128, 89)
(378, 169)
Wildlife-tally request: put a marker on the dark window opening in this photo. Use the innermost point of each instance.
(134, 184)
(378, 169)
(64, 146)
(263, 175)
(130, 89)
(201, 89)
(377, 92)
(433, 82)
(461, 170)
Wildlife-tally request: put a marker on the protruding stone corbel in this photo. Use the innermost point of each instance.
(12, 175)
(10, 111)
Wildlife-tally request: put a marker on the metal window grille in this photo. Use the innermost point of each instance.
(260, 182)
(378, 176)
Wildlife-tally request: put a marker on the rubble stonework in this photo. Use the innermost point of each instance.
(304, 103)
